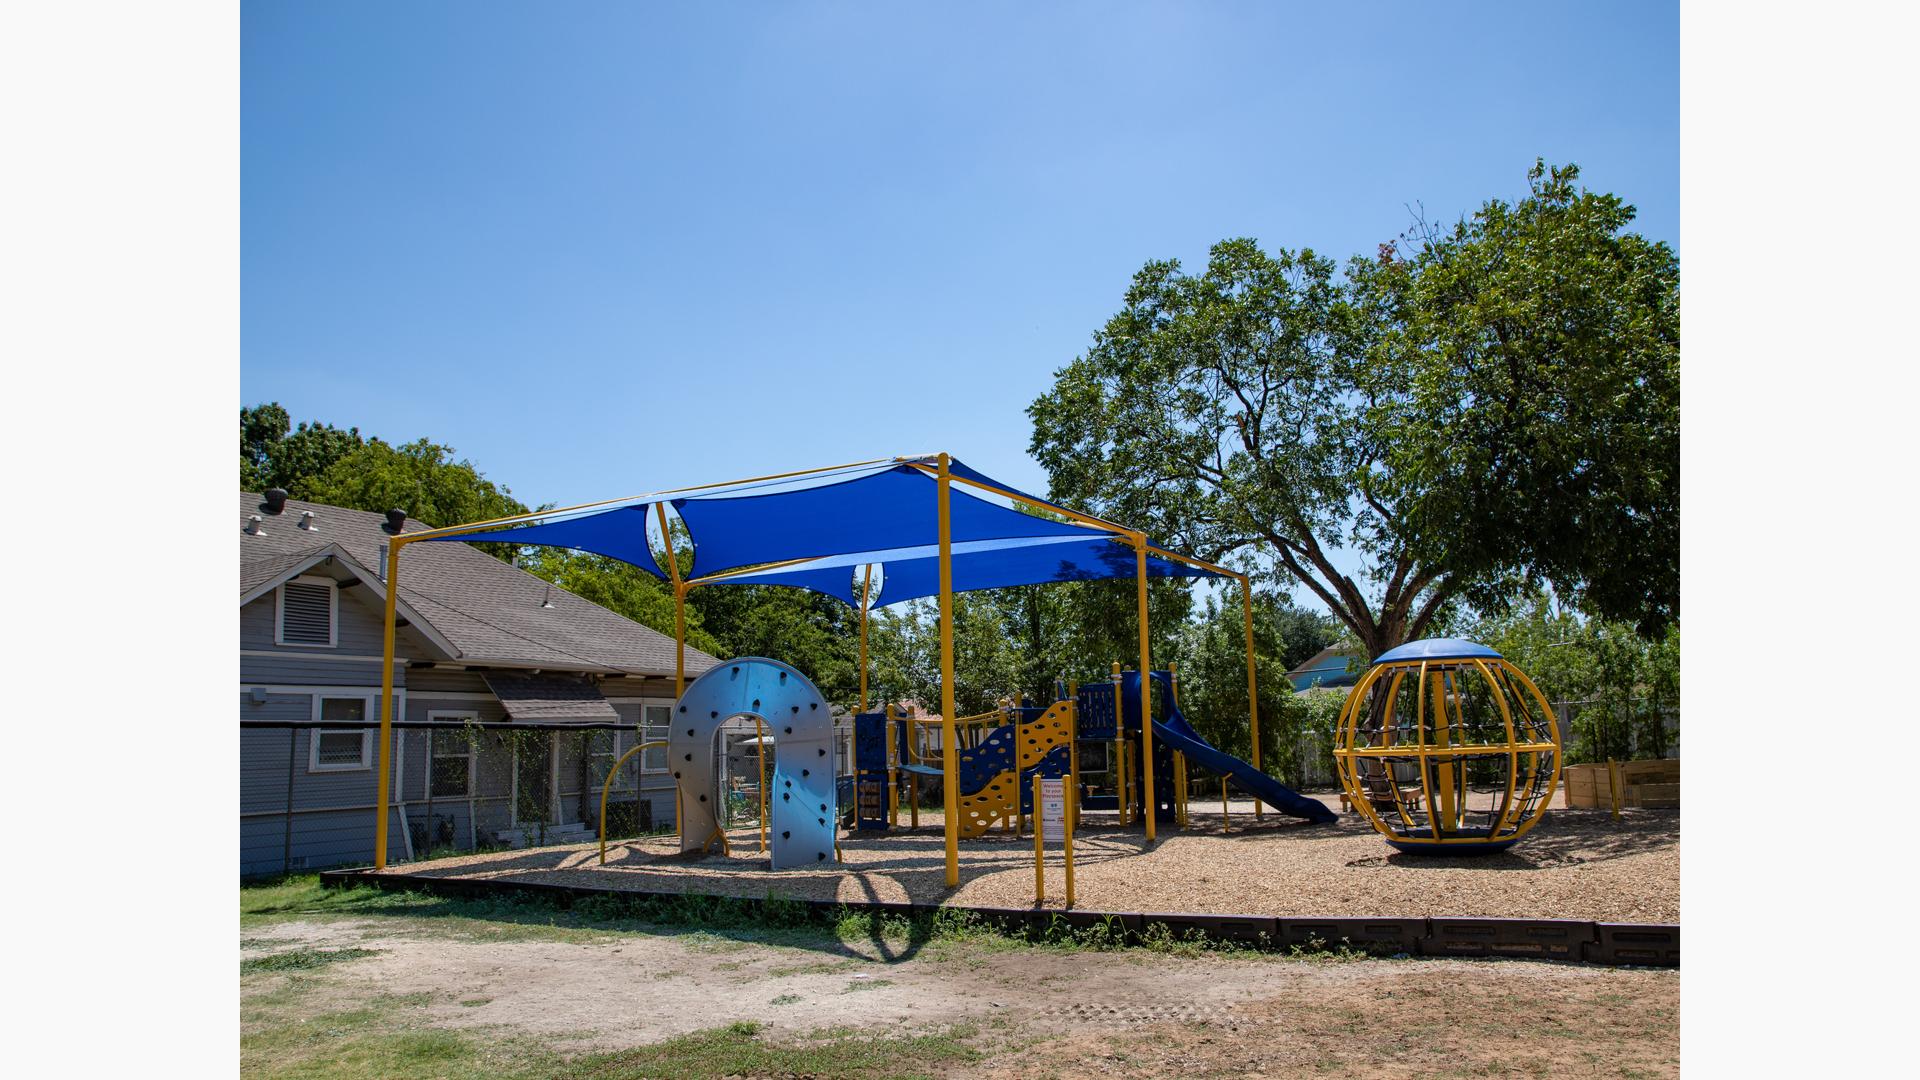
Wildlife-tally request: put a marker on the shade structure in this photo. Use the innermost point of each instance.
(813, 535)
(817, 525)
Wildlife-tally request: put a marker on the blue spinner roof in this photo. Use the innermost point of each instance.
(1437, 649)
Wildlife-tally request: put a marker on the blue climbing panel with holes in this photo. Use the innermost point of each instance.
(803, 796)
(980, 764)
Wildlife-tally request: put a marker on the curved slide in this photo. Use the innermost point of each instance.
(1177, 734)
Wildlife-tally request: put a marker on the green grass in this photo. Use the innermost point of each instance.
(718, 924)
(738, 1050)
(302, 959)
(387, 1037)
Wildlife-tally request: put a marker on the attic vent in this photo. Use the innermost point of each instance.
(306, 612)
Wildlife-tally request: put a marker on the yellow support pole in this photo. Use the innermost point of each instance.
(1180, 778)
(607, 787)
(1018, 823)
(1253, 688)
(1613, 786)
(1120, 749)
(866, 589)
(760, 751)
(1443, 727)
(1146, 687)
(1180, 789)
(893, 771)
(1070, 826)
(949, 746)
(381, 780)
(679, 604)
(1225, 826)
(1073, 758)
(1039, 847)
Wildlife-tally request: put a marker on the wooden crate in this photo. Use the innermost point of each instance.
(1644, 785)
(1652, 796)
(1657, 771)
(1586, 786)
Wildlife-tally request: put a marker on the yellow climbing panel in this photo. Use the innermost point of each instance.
(999, 800)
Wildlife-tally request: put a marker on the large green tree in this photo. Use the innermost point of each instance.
(273, 453)
(1467, 412)
(420, 477)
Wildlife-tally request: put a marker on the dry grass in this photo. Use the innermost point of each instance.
(1578, 864)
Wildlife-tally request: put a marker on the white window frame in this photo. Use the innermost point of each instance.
(366, 733)
(473, 754)
(619, 747)
(333, 613)
(665, 731)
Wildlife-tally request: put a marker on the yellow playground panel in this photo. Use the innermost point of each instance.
(997, 803)
(1445, 746)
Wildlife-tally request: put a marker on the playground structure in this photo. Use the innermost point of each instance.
(1435, 723)
(1003, 752)
(829, 530)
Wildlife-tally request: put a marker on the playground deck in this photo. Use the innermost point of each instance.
(1581, 865)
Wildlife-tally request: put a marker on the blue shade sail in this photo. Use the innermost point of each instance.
(912, 573)
(891, 509)
(886, 516)
(618, 534)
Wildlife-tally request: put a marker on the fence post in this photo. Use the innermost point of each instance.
(286, 844)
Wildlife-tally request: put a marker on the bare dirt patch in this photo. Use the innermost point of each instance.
(1051, 1012)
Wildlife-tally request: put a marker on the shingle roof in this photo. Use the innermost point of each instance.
(489, 610)
(549, 697)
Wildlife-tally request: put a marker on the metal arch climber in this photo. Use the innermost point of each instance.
(801, 795)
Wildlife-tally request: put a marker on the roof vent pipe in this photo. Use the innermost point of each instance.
(396, 520)
(276, 500)
(306, 520)
(253, 524)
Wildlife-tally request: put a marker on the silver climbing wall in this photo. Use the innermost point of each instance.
(801, 793)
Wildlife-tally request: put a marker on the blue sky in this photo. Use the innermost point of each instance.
(607, 248)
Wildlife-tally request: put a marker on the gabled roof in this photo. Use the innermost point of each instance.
(486, 611)
(1326, 668)
(262, 574)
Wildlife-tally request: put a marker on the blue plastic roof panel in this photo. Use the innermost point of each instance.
(1437, 649)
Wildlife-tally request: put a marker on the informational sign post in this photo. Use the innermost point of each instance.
(1053, 809)
(1052, 824)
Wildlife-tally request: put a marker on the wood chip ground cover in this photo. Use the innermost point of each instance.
(1578, 864)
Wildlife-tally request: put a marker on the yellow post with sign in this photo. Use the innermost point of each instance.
(1039, 849)
(949, 745)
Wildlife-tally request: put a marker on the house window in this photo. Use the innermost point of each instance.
(655, 721)
(307, 609)
(603, 749)
(450, 766)
(348, 747)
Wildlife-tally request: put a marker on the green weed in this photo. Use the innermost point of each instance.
(302, 959)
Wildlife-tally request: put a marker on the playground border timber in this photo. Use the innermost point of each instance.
(1568, 940)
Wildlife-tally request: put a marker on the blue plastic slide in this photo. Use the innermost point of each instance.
(1177, 734)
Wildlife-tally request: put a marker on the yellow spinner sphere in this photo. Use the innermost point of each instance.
(1448, 748)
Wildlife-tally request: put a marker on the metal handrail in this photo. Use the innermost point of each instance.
(607, 787)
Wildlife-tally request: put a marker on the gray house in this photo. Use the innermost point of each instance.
(567, 684)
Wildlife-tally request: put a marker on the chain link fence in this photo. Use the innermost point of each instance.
(307, 795)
